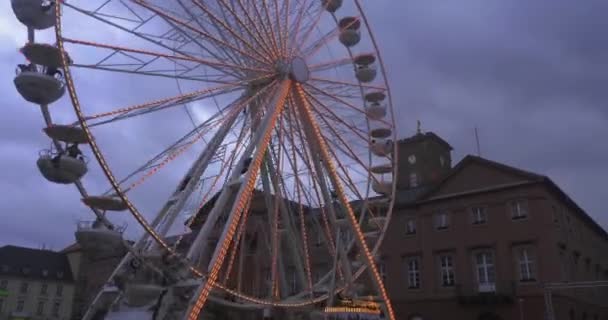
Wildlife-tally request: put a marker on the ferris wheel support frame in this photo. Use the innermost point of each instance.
(267, 171)
(260, 142)
(197, 167)
(315, 135)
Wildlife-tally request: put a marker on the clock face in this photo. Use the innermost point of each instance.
(411, 159)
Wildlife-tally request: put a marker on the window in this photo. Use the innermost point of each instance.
(3, 284)
(60, 274)
(486, 274)
(293, 280)
(519, 209)
(479, 215)
(45, 273)
(24, 287)
(442, 221)
(25, 270)
(40, 308)
(410, 227)
(1, 305)
(5, 268)
(555, 215)
(446, 270)
(56, 306)
(20, 305)
(413, 180)
(59, 291)
(413, 273)
(43, 289)
(526, 265)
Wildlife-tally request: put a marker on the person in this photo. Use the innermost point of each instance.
(74, 152)
(246, 165)
(53, 72)
(47, 5)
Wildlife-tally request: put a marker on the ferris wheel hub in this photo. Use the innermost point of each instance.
(296, 69)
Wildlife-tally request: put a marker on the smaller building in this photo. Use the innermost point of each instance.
(35, 284)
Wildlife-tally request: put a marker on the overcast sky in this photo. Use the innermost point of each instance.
(530, 75)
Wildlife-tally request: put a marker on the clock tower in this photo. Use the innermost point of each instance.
(424, 159)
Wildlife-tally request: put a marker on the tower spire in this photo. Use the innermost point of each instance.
(418, 129)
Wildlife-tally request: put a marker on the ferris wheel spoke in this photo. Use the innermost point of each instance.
(346, 83)
(257, 37)
(334, 63)
(262, 34)
(300, 43)
(235, 38)
(224, 26)
(207, 35)
(139, 63)
(339, 100)
(160, 104)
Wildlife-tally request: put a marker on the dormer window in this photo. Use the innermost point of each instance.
(25, 270)
(60, 274)
(45, 273)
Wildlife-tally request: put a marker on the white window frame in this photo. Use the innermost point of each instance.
(40, 308)
(479, 215)
(413, 273)
(413, 180)
(486, 268)
(410, 227)
(56, 309)
(442, 220)
(526, 264)
(20, 305)
(446, 270)
(518, 209)
(59, 290)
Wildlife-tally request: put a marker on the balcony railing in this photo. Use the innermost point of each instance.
(502, 292)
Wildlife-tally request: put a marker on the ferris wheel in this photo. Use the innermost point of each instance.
(279, 114)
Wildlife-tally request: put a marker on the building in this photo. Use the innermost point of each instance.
(35, 284)
(481, 239)
(478, 240)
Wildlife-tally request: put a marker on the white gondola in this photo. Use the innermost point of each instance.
(38, 14)
(332, 5)
(381, 168)
(350, 33)
(105, 203)
(62, 169)
(383, 186)
(97, 237)
(65, 133)
(365, 70)
(381, 133)
(39, 88)
(375, 106)
(142, 294)
(44, 54)
(381, 147)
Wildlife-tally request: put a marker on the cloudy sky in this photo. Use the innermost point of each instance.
(530, 75)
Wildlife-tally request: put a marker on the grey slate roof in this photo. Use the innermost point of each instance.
(34, 264)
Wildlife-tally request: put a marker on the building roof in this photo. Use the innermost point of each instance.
(528, 178)
(426, 136)
(35, 264)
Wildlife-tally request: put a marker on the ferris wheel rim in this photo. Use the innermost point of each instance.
(122, 194)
